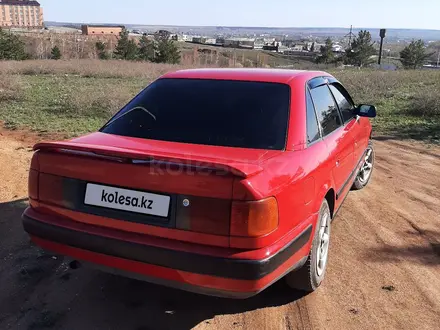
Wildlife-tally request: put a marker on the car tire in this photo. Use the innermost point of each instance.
(366, 171)
(309, 277)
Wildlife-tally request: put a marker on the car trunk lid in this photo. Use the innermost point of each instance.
(181, 186)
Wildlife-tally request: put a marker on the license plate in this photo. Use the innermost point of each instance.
(127, 200)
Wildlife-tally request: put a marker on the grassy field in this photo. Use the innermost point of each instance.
(78, 96)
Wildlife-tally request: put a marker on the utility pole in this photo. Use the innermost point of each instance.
(351, 33)
(350, 36)
(382, 36)
(438, 58)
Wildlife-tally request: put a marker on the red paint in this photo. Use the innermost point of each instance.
(298, 177)
(164, 273)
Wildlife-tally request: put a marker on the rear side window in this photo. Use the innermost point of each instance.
(210, 112)
(312, 123)
(344, 104)
(326, 109)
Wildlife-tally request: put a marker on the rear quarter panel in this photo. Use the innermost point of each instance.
(301, 177)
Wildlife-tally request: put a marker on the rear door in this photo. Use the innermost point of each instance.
(337, 137)
(351, 121)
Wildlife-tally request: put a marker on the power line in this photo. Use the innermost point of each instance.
(350, 35)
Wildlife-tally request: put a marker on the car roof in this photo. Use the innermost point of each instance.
(254, 74)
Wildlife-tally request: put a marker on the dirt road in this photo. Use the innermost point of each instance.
(384, 270)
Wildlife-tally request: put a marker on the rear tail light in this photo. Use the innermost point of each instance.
(33, 177)
(51, 189)
(254, 218)
(33, 184)
(203, 215)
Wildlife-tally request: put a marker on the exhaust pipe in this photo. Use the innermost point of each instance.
(74, 264)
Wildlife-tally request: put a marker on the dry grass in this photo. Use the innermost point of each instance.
(419, 90)
(425, 104)
(78, 96)
(10, 88)
(89, 68)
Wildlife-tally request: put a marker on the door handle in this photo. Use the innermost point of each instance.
(337, 163)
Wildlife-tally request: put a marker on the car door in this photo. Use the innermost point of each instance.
(337, 137)
(352, 122)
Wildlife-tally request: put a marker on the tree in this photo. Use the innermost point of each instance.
(361, 50)
(434, 49)
(167, 51)
(147, 49)
(55, 54)
(312, 48)
(126, 49)
(11, 47)
(414, 55)
(327, 56)
(101, 50)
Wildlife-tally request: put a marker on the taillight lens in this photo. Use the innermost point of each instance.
(33, 184)
(203, 215)
(254, 218)
(51, 189)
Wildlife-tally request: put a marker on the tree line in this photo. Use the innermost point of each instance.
(162, 49)
(361, 50)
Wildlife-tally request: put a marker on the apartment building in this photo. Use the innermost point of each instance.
(21, 14)
(101, 29)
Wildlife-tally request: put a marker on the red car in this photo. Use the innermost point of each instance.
(218, 181)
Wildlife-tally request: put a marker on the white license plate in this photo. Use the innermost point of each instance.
(127, 200)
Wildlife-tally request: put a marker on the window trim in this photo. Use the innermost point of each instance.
(341, 117)
(349, 98)
(316, 118)
(319, 82)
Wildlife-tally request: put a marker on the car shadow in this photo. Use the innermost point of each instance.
(130, 304)
(427, 254)
(52, 295)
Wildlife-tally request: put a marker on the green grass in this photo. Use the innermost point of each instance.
(72, 99)
(69, 105)
(407, 101)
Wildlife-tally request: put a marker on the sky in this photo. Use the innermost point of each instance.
(409, 14)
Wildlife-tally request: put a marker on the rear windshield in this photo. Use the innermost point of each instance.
(210, 112)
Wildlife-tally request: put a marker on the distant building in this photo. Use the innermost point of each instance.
(298, 47)
(182, 37)
(101, 29)
(220, 41)
(21, 14)
(338, 48)
(163, 33)
(240, 43)
(211, 41)
(199, 40)
(271, 48)
(205, 41)
(259, 43)
(431, 67)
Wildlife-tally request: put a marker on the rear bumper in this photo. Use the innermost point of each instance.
(189, 271)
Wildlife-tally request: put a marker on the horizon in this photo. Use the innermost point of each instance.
(393, 14)
(245, 26)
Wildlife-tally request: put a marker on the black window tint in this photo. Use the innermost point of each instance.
(312, 123)
(344, 105)
(210, 112)
(326, 109)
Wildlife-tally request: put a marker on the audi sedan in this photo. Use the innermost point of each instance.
(217, 181)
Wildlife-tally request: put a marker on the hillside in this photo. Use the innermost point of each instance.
(74, 97)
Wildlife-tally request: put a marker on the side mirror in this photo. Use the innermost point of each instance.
(365, 110)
